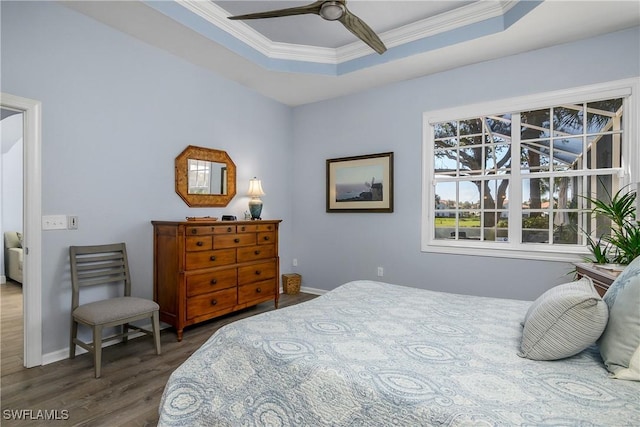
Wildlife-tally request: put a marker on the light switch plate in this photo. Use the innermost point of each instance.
(54, 222)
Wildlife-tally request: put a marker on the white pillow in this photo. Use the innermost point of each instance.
(563, 321)
(620, 342)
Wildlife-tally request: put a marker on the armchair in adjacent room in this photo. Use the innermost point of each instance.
(13, 255)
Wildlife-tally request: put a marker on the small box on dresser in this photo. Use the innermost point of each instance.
(206, 269)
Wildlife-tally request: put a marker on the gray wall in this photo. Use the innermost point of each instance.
(115, 114)
(333, 248)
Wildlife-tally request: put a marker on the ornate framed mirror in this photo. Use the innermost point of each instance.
(205, 177)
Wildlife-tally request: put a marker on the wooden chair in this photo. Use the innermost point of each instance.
(106, 265)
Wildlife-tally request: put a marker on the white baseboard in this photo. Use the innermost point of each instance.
(313, 291)
(3, 279)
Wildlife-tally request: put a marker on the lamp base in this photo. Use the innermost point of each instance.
(255, 207)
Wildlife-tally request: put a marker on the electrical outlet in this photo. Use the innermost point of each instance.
(295, 262)
(380, 271)
(54, 222)
(72, 222)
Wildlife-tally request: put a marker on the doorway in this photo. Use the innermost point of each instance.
(32, 235)
(11, 219)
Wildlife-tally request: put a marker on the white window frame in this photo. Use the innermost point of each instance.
(627, 88)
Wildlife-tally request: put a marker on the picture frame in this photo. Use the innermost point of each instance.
(360, 183)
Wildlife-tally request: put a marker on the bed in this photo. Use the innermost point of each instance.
(371, 353)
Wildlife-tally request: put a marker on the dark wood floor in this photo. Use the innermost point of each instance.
(11, 353)
(129, 390)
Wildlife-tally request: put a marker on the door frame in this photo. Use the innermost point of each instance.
(32, 213)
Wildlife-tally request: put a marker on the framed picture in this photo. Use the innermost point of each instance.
(360, 183)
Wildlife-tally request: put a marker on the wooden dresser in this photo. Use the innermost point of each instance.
(204, 269)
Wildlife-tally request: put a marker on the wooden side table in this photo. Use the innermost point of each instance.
(602, 278)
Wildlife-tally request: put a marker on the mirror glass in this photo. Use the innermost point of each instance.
(205, 177)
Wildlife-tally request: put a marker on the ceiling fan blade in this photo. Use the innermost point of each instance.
(301, 10)
(358, 27)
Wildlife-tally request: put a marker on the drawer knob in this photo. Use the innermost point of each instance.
(266, 237)
(199, 243)
(214, 302)
(214, 281)
(236, 240)
(194, 231)
(212, 258)
(241, 228)
(258, 290)
(256, 252)
(268, 227)
(258, 272)
(228, 229)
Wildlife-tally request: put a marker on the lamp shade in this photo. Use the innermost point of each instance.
(255, 188)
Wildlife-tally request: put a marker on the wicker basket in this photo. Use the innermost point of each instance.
(291, 283)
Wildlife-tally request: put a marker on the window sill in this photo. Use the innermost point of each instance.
(558, 254)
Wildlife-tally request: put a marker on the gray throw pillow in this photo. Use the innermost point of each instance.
(563, 321)
(620, 342)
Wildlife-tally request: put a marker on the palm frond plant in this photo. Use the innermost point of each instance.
(599, 250)
(622, 245)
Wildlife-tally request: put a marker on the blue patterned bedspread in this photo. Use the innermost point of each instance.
(375, 354)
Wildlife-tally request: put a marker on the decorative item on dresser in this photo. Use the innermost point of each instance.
(204, 269)
(255, 191)
(602, 277)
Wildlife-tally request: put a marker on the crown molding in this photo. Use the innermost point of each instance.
(466, 15)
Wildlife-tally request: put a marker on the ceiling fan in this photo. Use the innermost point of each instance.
(331, 11)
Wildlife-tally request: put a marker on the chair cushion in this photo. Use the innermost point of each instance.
(620, 342)
(563, 321)
(111, 310)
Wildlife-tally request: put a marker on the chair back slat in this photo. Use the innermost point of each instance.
(99, 265)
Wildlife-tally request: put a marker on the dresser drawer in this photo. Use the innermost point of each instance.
(265, 227)
(256, 272)
(265, 289)
(214, 281)
(252, 253)
(247, 228)
(198, 230)
(224, 229)
(198, 243)
(266, 237)
(205, 259)
(234, 240)
(211, 302)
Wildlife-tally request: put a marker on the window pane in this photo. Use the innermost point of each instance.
(446, 143)
(535, 227)
(446, 129)
(498, 158)
(471, 126)
(535, 124)
(534, 156)
(567, 152)
(568, 119)
(471, 140)
(446, 162)
(445, 195)
(499, 231)
(601, 114)
(469, 195)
